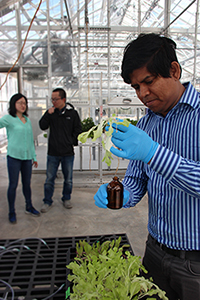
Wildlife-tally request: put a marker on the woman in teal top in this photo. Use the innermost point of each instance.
(20, 153)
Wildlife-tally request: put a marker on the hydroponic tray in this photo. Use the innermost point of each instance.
(35, 269)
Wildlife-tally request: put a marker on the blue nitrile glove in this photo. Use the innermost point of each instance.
(135, 144)
(101, 196)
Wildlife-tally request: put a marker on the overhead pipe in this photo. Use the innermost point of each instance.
(19, 45)
(69, 19)
(108, 33)
(167, 16)
(139, 17)
(49, 53)
(195, 43)
(163, 31)
(87, 49)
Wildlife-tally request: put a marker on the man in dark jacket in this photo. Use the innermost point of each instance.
(65, 126)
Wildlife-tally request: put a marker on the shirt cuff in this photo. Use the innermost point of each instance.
(165, 162)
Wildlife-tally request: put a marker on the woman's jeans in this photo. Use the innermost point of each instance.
(14, 167)
(53, 163)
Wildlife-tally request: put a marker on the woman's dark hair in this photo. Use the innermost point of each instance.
(12, 110)
(151, 50)
(62, 92)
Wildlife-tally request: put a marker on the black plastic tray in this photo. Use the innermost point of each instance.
(40, 270)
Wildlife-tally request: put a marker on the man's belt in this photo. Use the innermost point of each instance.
(193, 255)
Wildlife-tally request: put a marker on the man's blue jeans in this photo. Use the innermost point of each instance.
(14, 167)
(53, 163)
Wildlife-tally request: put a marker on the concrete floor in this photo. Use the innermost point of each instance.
(83, 219)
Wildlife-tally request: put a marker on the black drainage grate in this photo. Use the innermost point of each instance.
(35, 268)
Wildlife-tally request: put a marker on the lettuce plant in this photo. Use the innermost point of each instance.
(106, 272)
(98, 131)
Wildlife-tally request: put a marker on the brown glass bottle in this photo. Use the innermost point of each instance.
(115, 194)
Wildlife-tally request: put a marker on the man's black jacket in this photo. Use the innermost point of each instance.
(65, 127)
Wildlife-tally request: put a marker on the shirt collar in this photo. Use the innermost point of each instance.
(62, 111)
(190, 96)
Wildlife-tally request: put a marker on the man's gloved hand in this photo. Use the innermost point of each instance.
(134, 143)
(101, 196)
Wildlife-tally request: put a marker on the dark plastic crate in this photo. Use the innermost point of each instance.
(41, 271)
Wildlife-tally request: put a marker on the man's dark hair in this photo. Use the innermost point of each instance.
(151, 50)
(62, 92)
(12, 109)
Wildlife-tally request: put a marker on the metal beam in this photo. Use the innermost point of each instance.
(5, 6)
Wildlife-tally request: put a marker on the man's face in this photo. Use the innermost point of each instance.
(157, 93)
(57, 101)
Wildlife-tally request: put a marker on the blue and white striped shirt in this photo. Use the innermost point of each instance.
(172, 179)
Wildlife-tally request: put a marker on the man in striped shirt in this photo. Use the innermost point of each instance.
(164, 154)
